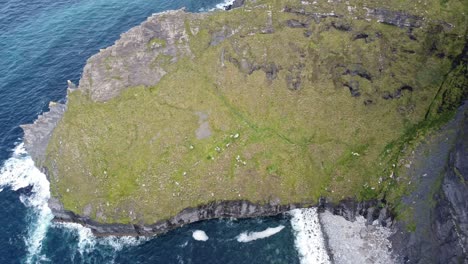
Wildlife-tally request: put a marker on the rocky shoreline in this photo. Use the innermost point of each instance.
(214, 210)
(349, 209)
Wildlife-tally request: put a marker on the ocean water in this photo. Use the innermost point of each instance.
(43, 43)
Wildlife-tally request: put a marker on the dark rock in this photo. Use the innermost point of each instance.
(350, 208)
(397, 93)
(368, 102)
(271, 71)
(293, 23)
(25, 190)
(353, 86)
(361, 36)
(440, 55)
(339, 25)
(395, 18)
(409, 51)
(219, 209)
(358, 70)
(236, 4)
(387, 95)
(293, 82)
(307, 33)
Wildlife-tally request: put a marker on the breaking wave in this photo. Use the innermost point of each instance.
(251, 236)
(224, 4)
(19, 172)
(87, 242)
(309, 240)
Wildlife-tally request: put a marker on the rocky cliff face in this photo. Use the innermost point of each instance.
(436, 230)
(128, 63)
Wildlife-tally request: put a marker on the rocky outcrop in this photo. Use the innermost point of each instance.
(37, 135)
(140, 56)
(395, 18)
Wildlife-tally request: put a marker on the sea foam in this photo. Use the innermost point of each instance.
(87, 242)
(224, 4)
(200, 235)
(251, 236)
(19, 172)
(309, 240)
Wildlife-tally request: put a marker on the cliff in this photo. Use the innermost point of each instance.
(268, 106)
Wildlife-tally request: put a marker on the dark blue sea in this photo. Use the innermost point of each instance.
(44, 43)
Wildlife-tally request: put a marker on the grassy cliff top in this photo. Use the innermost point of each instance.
(277, 101)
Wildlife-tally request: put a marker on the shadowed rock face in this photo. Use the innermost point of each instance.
(237, 209)
(438, 232)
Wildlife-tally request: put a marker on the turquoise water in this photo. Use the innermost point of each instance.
(43, 43)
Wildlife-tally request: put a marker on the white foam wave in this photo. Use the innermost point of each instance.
(224, 4)
(200, 235)
(220, 6)
(87, 242)
(19, 172)
(251, 236)
(309, 240)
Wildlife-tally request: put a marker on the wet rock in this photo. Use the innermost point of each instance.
(235, 4)
(25, 190)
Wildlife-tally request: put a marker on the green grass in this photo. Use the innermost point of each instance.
(136, 158)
